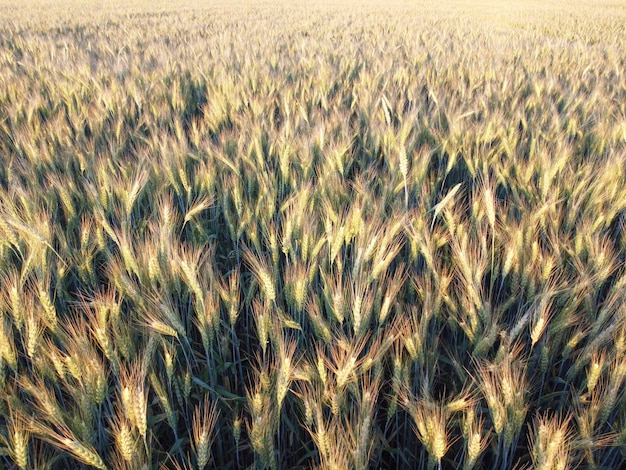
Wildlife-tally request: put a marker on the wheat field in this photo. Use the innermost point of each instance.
(327, 235)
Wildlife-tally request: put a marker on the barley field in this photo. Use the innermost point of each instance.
(328, 235)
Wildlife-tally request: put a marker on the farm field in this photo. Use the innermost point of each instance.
(327, 235)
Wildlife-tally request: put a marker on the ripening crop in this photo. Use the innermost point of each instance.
(312, 235)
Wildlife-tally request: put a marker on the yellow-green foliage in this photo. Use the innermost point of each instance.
(302, 235)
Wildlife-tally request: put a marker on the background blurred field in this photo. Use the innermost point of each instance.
(312, 234)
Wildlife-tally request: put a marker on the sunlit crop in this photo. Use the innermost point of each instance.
(312, 235)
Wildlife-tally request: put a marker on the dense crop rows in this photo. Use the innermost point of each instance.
(292, 235)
